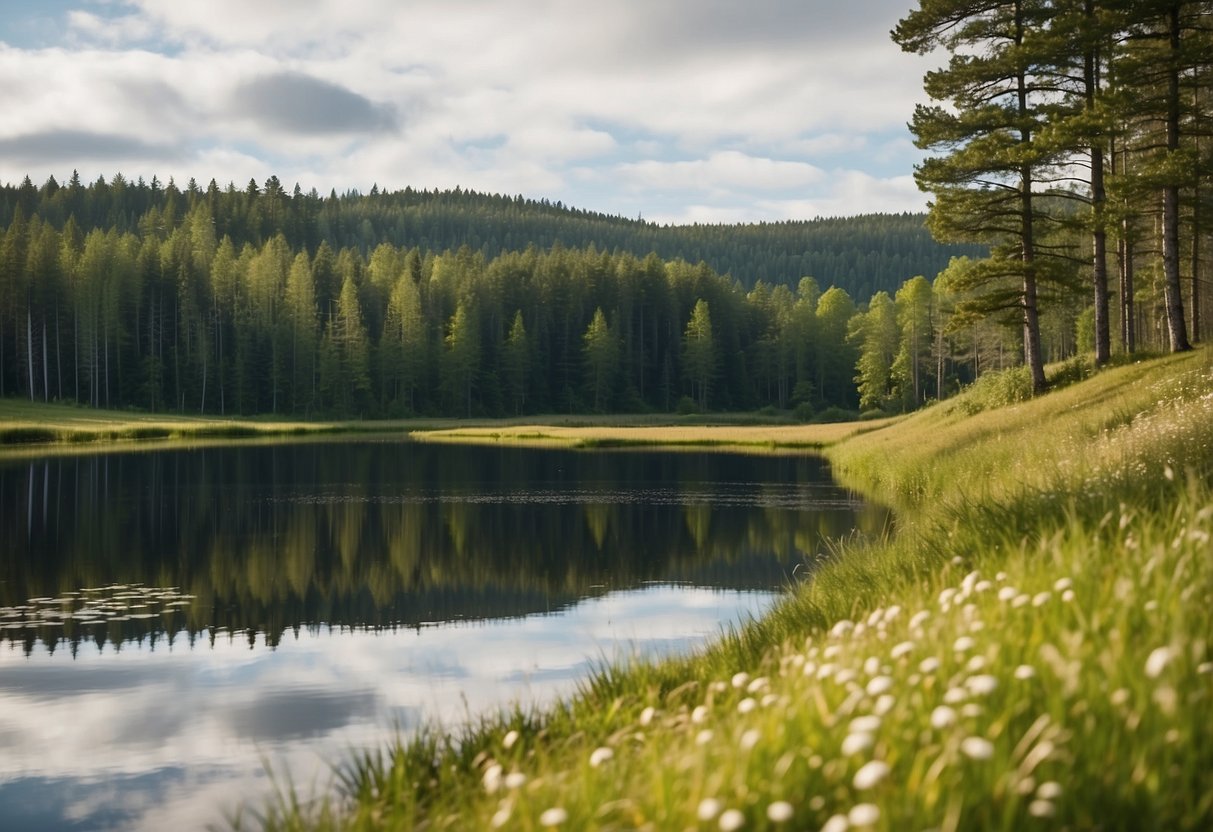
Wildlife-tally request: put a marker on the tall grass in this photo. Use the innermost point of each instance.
(1031, 651)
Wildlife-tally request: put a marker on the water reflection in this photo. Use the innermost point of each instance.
(170, 621)
(270, 539)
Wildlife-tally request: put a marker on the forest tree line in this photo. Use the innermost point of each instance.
(861, 254)
(184, 321)
(1071, 136)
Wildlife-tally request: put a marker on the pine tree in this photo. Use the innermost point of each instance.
(699, 353)
(601, 360)
(987, 177)
(875, 334)
(516, 363)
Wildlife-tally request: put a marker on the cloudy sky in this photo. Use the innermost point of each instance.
(675, 110)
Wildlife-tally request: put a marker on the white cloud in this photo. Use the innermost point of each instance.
(725, 170)
(520, 96)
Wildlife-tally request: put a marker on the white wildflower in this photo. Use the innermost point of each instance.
(1062, 584)
(943, 717)
(553, 817)
(976, 663)
(750, 739)
(746, 705)
(1050, 790)
(732, 820)
(865, 814)
(857, 743)
(507, 742)
(884, 704)
(1041, 598)
(759, 684)
(492, 778)
(928, 665)
(1068, 596)
(879, 685)
(982, 685)
(1159, 658)
(865, 724)
(704, 737)
(515, 780)
(870, 774)
(1025, 671)
(977, 748)
(901, 650)
(501, 817)
(963, 644)
(709, 808)
(954, 696)
(780, 811)
(919, 618)
(740, 679)
(646, 716)
(1007, 593)
(1041, 809)
(601, 755)
(837, 823)
(699, 715)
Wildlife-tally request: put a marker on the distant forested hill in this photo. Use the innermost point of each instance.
(862, 255)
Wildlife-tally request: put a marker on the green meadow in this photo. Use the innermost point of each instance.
(1029, 650)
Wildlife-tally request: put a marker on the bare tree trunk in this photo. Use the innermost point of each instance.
(46, 383)
(1172, 295)
(1196, 317)
(29, 348)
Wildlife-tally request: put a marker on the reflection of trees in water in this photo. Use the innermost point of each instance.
(383, 534)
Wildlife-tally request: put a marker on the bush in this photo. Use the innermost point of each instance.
(996, 390)
(1071, 371)
(803, 412)
(687, 406)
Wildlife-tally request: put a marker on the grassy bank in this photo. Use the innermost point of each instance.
(38, 425)
(1031, 651)
(614, 435)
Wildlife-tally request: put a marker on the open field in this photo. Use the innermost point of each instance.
(1031, 651)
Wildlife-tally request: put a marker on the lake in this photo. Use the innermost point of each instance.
(173, 622)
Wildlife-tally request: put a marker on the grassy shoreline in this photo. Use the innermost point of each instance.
(44, 426)
(1032, 650)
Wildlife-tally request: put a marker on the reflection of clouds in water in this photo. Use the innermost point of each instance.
(278, 715)
(136, 718)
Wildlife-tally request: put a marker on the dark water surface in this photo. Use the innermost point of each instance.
(171, 621)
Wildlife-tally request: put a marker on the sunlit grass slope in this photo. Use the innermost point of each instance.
(1032, 651)
(34, 423)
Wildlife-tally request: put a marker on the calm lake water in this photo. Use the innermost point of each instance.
(173, 621)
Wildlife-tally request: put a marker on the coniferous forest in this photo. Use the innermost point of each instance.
(1069, 187)
(257, 301)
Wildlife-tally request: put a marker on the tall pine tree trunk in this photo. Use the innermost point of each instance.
(29, 347)
(1172, 295)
